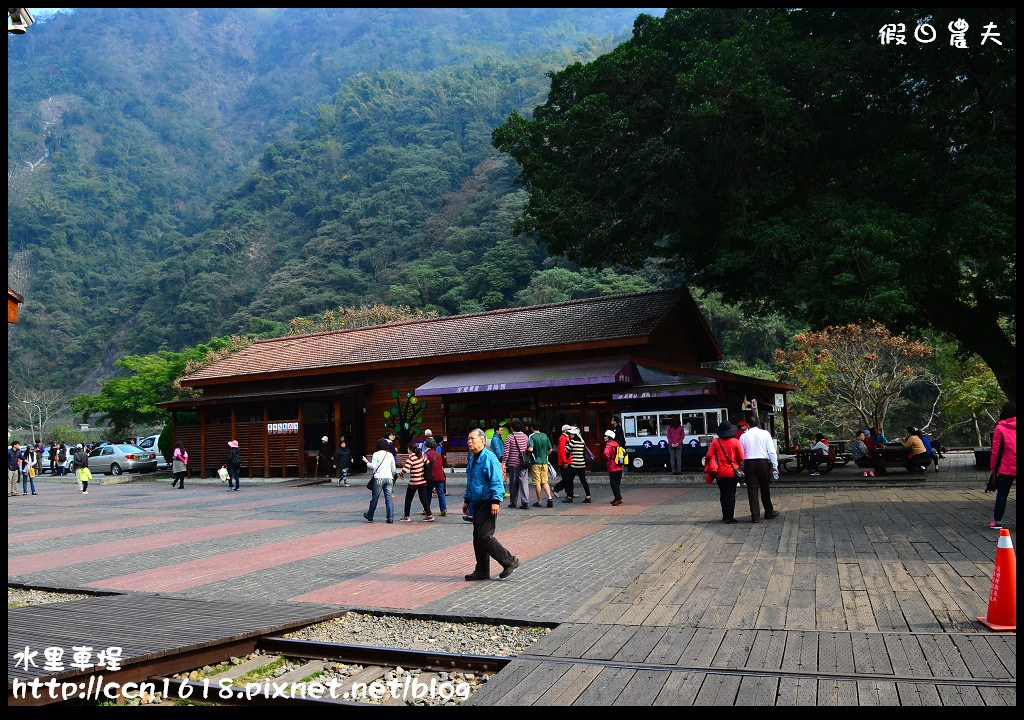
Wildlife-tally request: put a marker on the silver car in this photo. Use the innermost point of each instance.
(149, 444)
(117, 459)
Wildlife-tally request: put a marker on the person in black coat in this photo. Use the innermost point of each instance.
(343, 461)
(620, 437)
(234, 465)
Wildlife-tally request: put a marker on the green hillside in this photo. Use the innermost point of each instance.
(175, 175)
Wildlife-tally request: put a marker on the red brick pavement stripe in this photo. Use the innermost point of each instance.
(227, 565)
(218, 495)
(51, 559)
(66, 530)
(421, 580)
(47, 517)
(317, 501)
(634, 501)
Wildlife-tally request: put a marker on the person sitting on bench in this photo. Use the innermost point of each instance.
(863, 457)
(819, 453)
(918, 459)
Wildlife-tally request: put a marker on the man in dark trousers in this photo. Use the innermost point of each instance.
(485, 490)
(325, 458)
(343, 461)
(760, 465)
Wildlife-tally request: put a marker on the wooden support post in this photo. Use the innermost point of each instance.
(266, 442)
(202, 443)
(785, 419)
(337, 422)
(302, 444)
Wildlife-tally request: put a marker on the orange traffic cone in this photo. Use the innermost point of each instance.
(1002, 602)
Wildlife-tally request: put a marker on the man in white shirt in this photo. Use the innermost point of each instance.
(761, 461)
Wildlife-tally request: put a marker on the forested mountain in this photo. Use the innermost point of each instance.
(179, 174)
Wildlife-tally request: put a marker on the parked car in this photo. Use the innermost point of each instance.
(150, 444)
(117, 459)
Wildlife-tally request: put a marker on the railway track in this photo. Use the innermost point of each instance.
(335, 674)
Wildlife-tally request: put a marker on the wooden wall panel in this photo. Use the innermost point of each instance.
(217, 436)
(378, 399)
(188, 436)
(252, 438)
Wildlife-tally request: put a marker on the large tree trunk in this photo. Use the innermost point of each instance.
(1003, 363)
(978, 331)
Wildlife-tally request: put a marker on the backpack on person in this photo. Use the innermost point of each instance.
(620, 455)
(429, 470)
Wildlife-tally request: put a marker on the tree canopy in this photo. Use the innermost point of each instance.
(130, 400)
(852, 376)
(790, 160)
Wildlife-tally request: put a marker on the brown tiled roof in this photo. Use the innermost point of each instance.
(592, 320)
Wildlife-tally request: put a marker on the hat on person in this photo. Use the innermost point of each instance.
(232, 443)
(609, 434)
(566, 427)
(726, 429)
(865, 431)
(427, 432)
(573, 430)
(78, 446)
(323, 439)
(742, 424)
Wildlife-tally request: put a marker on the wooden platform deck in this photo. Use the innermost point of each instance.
(581, 664)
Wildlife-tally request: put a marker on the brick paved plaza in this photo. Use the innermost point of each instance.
(882, 580)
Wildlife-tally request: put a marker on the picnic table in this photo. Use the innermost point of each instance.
(894, 457)
(796, 461)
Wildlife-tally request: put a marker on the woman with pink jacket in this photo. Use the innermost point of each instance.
(1004, 459)
(179, 465)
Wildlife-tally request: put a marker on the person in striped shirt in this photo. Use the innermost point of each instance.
(415, 465)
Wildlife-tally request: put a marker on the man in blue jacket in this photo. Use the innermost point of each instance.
(484, 491)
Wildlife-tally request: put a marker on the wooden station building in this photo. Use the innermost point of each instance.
(577, 362)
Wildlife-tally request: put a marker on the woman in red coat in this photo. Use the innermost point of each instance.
(614, 469)
(724, 456)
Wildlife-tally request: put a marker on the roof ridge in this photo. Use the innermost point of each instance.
(498, 312)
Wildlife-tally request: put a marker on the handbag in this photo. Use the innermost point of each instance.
(370, 482)
(587, 455)
(710, 461)
(525, 456)
(737, 473)
(991, 485)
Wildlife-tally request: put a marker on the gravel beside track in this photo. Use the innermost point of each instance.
(17, 597)
(397, 632)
